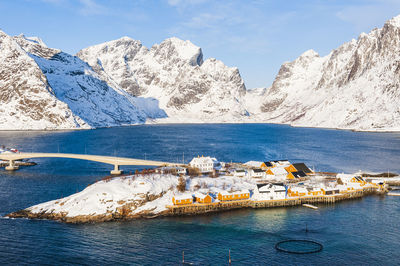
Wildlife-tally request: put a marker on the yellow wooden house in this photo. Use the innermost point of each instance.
(182, 199)
(238, 195)
(202, 198)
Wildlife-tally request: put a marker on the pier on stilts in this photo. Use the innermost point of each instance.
(199, 208)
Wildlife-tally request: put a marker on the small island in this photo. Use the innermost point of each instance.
(205, 185)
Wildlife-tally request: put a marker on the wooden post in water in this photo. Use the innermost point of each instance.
(183, 257)
(229, 258)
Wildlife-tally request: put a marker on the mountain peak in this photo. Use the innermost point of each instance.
(185, 50)
(395, 21)
(33, 39)
(310, 53)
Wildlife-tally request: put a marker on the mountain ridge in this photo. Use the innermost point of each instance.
(122, 82)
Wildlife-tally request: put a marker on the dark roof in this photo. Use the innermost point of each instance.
(261, 185)
(358, 178)
(257, 170)
(302, 167)
(276, 161)
(299, 174)
(268, 164)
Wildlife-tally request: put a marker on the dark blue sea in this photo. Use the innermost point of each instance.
(358, 232)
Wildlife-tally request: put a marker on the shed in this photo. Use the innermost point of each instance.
(302, 167)
(237, 195)
(182, 199)
(202, 198)
(298, 174)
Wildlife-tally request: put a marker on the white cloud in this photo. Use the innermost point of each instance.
(185, 2)
(90, 7)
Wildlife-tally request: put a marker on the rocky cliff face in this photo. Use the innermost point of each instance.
(188, 88)
(356, 86)
(45, 88)
(27, 101)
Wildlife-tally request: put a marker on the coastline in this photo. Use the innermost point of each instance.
(122, 213)
(179, 122)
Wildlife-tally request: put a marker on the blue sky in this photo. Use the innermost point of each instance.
(256, 36)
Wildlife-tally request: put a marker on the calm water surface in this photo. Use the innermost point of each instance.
(360, 232)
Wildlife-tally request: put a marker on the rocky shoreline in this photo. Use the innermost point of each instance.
(124, 213)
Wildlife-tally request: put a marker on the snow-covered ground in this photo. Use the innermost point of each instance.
(139, 195)
(149, 193)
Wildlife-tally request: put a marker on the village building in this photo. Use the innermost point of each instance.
(278, 172)
(216, 164)
(239, 172)
(302, 167)
(202, 198)
(330, 191)
(297, 174)
(171, 170)
(256, 173)
(269, 192)
(182, 199)
(204, 164)
(297, 191)
(237, 195)
(266, 165)
(314, 191)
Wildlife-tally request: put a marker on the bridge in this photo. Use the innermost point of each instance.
(116, 161)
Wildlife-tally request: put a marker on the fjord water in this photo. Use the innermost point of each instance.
(364, 231)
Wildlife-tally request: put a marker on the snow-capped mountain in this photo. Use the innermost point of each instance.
(45, 88)
(173, 72)
(356, 86)
(122, 82)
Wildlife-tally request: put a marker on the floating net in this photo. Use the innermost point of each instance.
(299, 246)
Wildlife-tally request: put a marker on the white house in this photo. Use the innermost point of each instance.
(170, 169)
(256, 173)
(269, 192)
(204, 164)
(281, 163)
(216, 164)
(239, 173)
(278, 172)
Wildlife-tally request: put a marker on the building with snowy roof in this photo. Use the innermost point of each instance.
(204, 164)
(277, 171)
(237, 195)
(182, 199)
(202, 198)
(269, 192)
(294, 175)
(256, 173)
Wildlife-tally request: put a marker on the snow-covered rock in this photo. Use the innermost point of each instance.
(128, 197)
(173, 72)
(356, 86)
(45, 88)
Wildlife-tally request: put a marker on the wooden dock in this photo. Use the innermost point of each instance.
(200, 208)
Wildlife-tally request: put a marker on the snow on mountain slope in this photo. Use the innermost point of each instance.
(356, 86)
(85, 91)
(26, 99)
(45, 88)
(173, 72)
